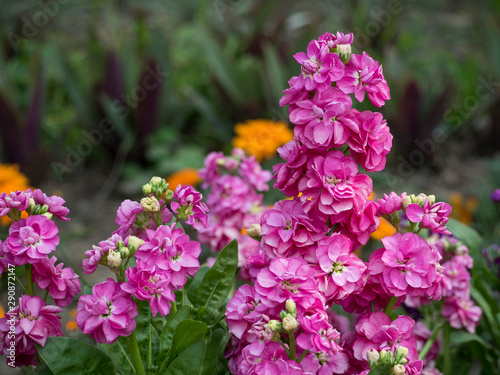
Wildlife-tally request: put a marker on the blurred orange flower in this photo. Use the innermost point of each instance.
(187, 176)
(384, 229)
(463, 208)
(11, 179)
(261, 138)
(71, 324)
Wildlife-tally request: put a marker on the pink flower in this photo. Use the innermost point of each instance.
(243, 310)
(294, 93)
(460, 278)
(370, 145)
(433, 217)
(18, 200)
(287, 230)
(189, 203)
(317, 335)
(251, 171)
(6, 258)
(343, 270)
(150, 284)
(332, 185)
(34, 323)
(364, 75)
(325, 121)
(407, 265)
(126, 215)
(287, 279)
(376, 331)
(31, 239)
(169, 249)
(389, 204)
(334, 40)
(462, 313)
(55, 204)
(107, 313)
(62, 283)
(319, 68)
(232, 193)
(221, 229)
(325, 364)
(95, 255)
(358, 225)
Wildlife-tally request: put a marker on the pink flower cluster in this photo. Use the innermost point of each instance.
(234, 201)
(30, 242)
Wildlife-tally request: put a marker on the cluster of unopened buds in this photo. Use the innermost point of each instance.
(395, 360)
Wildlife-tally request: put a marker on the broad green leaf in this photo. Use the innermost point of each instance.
(192, 290)
(65, 355)
(218, 281)
(189, 362)
(42, 369)
(382, 369)
(212, 351)
(187, 332)
(462, 337)
(488, 313)
(119, 354)
(167, 334)
(466, 234)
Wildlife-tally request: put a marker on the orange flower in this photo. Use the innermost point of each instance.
(71, 324)
(11, 179)
(463, 209)
(187, 176)
(2, 312)
(261, 138)
(384, 229)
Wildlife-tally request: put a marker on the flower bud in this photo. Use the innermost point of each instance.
(119, 244)
(275, 326)
(150, 204)
(431, 199)
(372, 355)
(114, 259)
(169, 194)
(406, 201)
(399, 370)
(48, 215)
(254, 231)
(124, 253)
(31, 207)
(155, 181)
(134, 243)
(290, 324)
(383, 356)
(344, 52)
(402, 351)
(291, 307)
(142, 220)
(420, 198)
(146, 189)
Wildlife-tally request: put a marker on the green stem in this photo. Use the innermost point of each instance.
(21, 283)
(173, 308)
(330, 232)
(284, 347)
(150, 348)
(304, 353)
(46, 295)
(413, 227)
(447, 351)
(390, 305)
(428, 344)
(133, 348)
(183, 297)
(291, 339)
(29, 279)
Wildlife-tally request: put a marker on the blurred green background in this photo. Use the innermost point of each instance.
(119, 90)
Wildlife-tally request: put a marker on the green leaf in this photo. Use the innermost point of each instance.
(381, 369)
(65, 355)
(42, 369)
(192, 290)
(87, 289)
(218, 281)
(167, 334)
(187, 332)
(462, 337)
(466, 234)
(212, 351)
(118, 352)
(189, 362)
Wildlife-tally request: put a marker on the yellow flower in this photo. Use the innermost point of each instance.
(463, 209)
(261, 138)
(187, 176)
(384, 229)
(11, 179)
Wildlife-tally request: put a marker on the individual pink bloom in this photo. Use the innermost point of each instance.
(422, 334)
(31, 239)
(259, 335)
(6, 258)
(62, 283)
(126, 216)
(377, 331)
(169, 249)
(150, 284)
(407, 265)
(287, 230)
(415, 302)
(251, 171)
(294, 93)
(325, 121)
(189, 202)
(90, 263)
(389, 204)
(279, 366)
(319, 68)
(325, 364)
(213, 163)
(333, 40)
(247, 247)
(33, 322)
(342, 270)
(232, 193)
(358, 225)
(18, 200)
(370, 145)
(287, 175)
(286, 279)
(332, 185)
(243, 310)
(433, 217)
(460, 278)
(256, 262)
(221, 229)
(247, 362)
(462, 313)
(107, 313)
(55, 204)
(364, 75)
(317, 335)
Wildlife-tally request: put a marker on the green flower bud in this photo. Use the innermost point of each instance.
(146, 189)
(150, 204)
(399, 370)
(291, 307)
(48, 215)
(155, 181)
(114, 260)
(372, 355)
(169, 194)
(290, 324)
(134, 243)
(344, 52)
(275, 326)
(119, 244)
(31, 207)
(124, 253)
(254, 231)
(402, 351)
